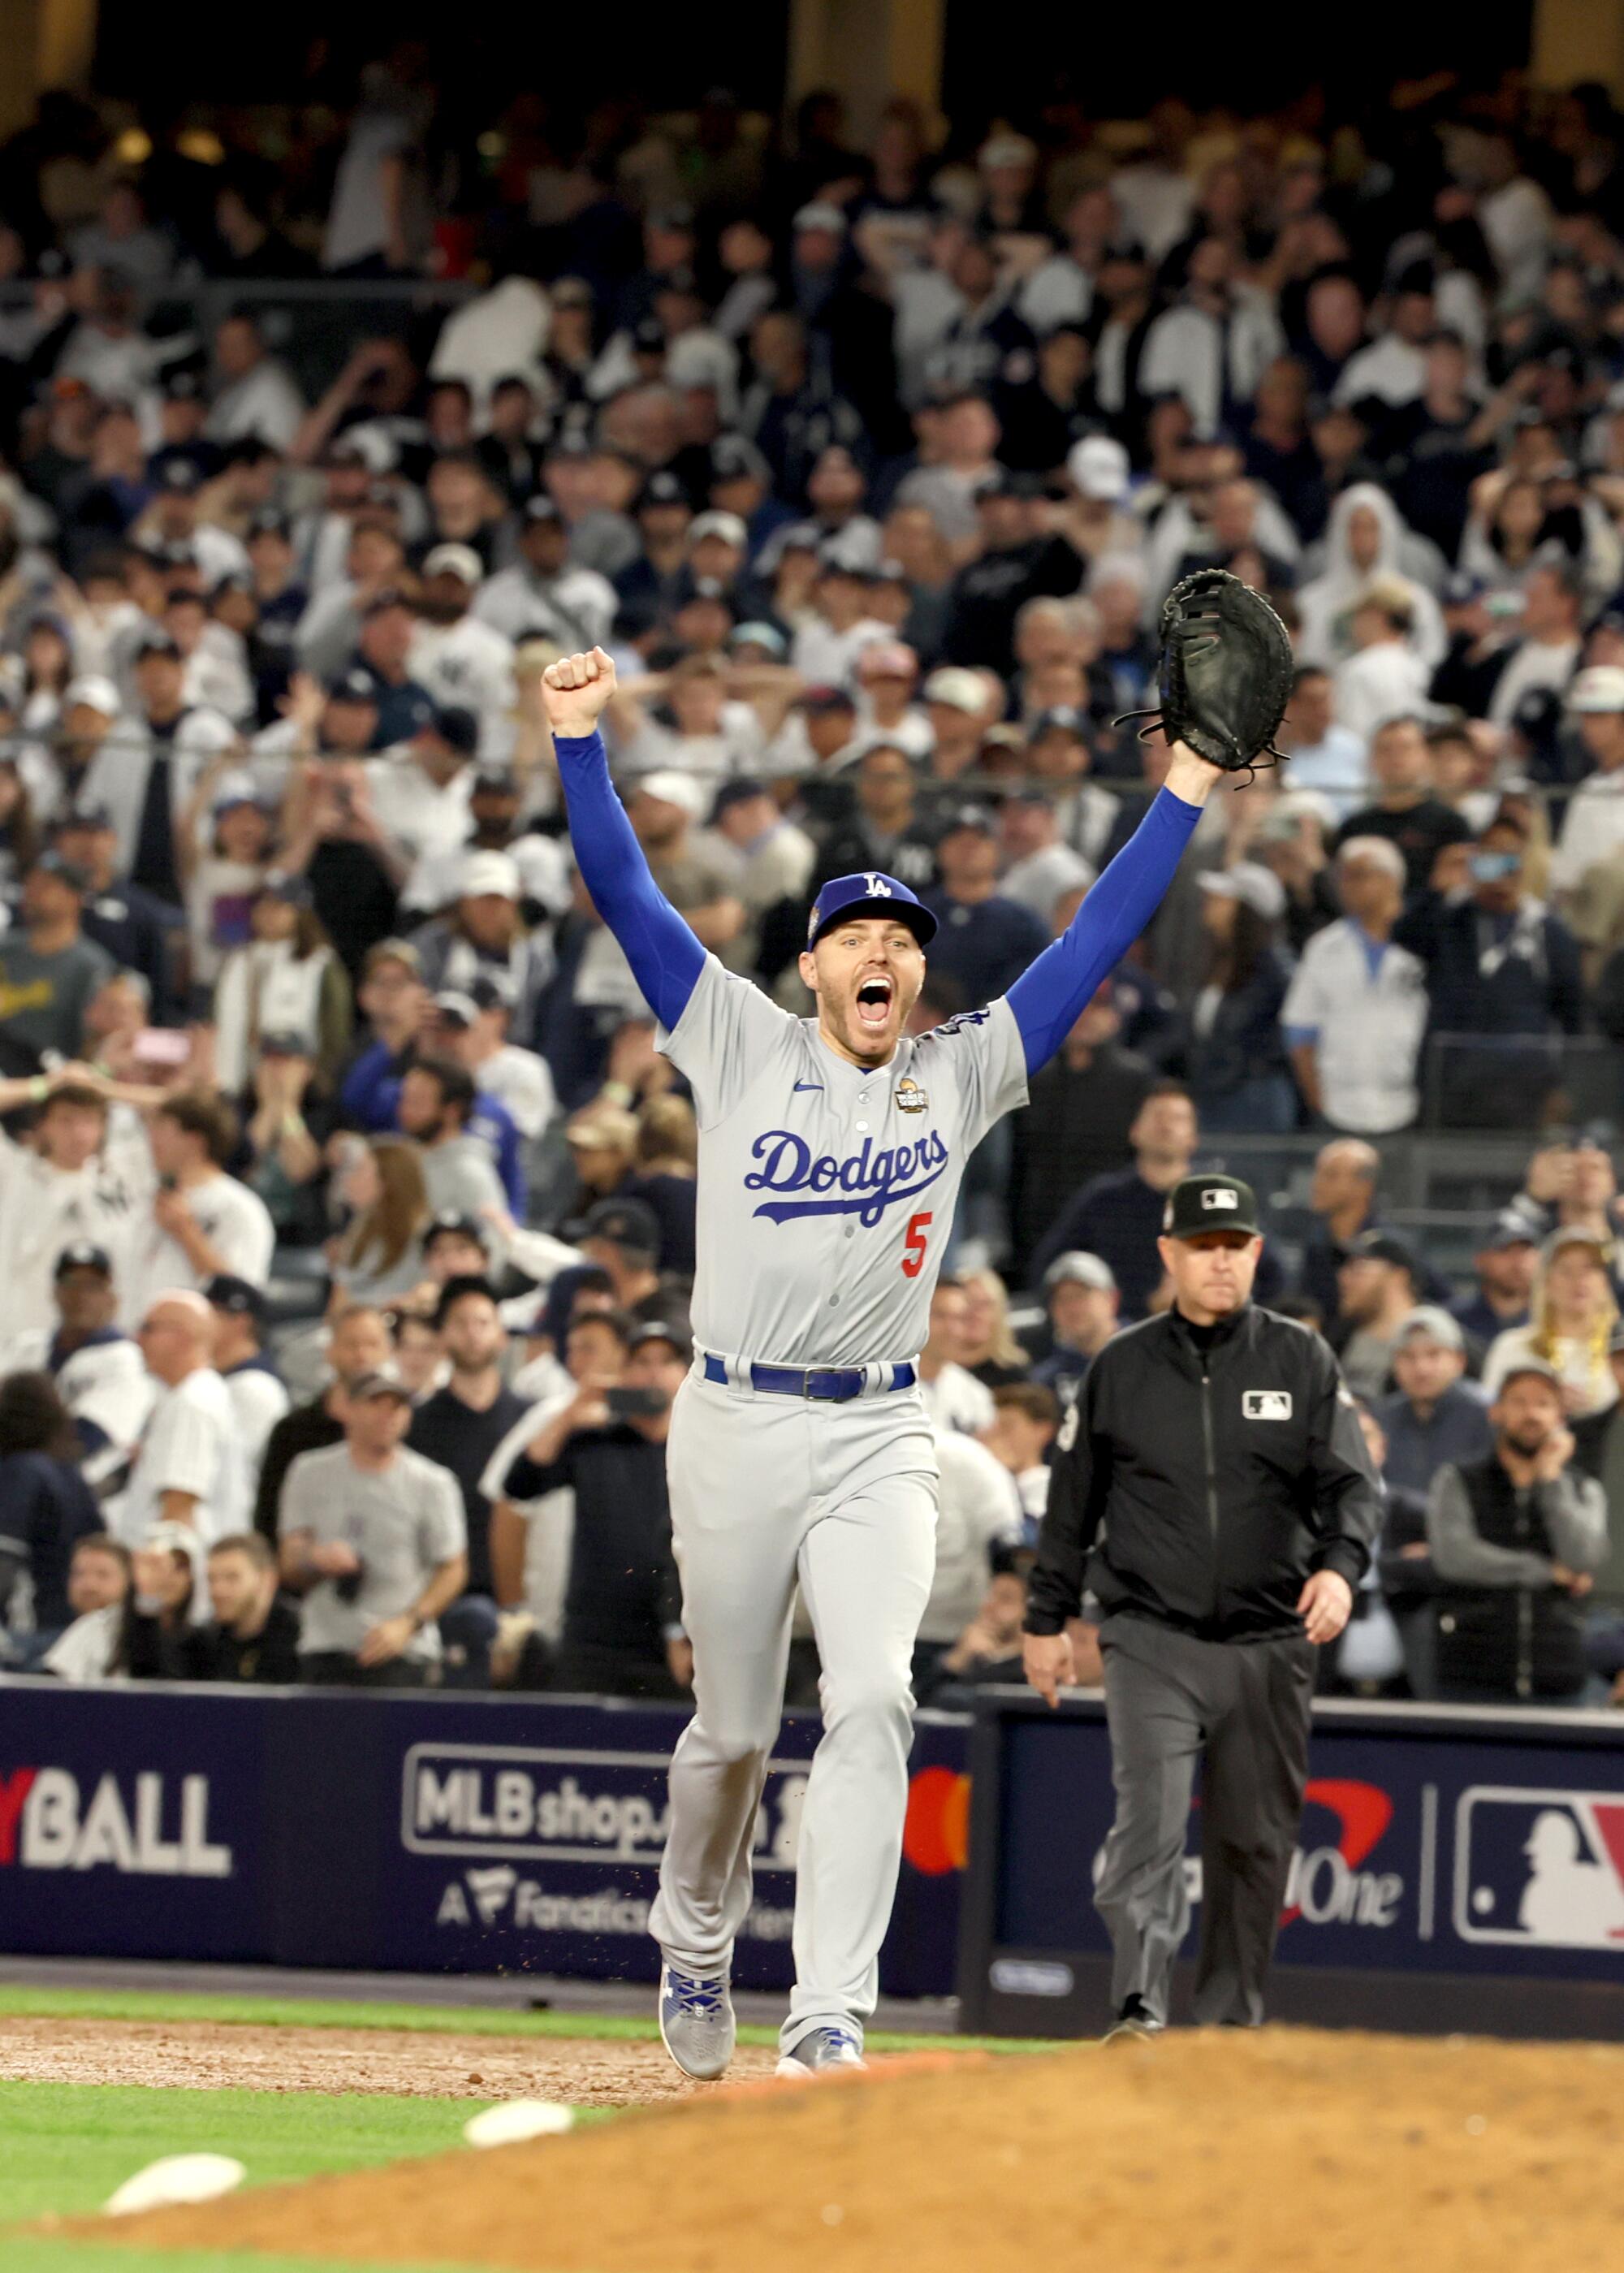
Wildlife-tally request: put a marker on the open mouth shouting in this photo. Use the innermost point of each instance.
(875, 997)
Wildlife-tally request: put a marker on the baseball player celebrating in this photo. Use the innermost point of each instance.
(831, 1151)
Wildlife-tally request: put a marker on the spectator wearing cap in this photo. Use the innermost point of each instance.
(773, 861)
(647, 587)
(1355, 1012)
(1059, 754)
(464, 662)
(1083, 1306)
(1573, 1310)
(1547, 654)
(258, 1392)
(286, 981)
(146, 769)
(622, 1237)
(884, 828)
(1504, 982)
(1378, 1287)
(812, 753)
(359, 1344)
(371, 1536)
(458, 1428)
(56, 1190)
(474, 1028)
(443, 1041)
(223, 848)
(422, 788)
(174, 528)
(1041, 869)
(985, 940)
(829, 639)
(394, 1002)
(1235, 1054)
(957, 703)
(1505, 1266)
(195, 1219)
(1075, 1128)
(543, 595)
(255, 394)
(183, 416)
(97, 1369)
(741, 483)
(1516, 1538)
(887, 680)
(508, 449)
(1432, 1417)
(49, 969)
(371, 563)
(438, 1109)
(1592, 829)
(46, 1507)
(128, 924)
(483, 935)
(90, 706)
(622, 1633)
(1384, 677)
(215, 656)
(383, 651)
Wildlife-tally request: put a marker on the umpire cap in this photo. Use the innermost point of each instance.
(1201, 1203)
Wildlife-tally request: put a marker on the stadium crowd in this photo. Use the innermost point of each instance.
(346, 1202)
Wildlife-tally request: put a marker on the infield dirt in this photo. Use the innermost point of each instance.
(1321, 2152)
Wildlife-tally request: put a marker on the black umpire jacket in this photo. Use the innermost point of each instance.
(1202, 1488)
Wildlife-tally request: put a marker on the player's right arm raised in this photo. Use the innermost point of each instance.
(666, 959)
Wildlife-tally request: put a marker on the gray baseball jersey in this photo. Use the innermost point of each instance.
(827, 1190)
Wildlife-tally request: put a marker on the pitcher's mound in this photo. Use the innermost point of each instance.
(1326, 2153)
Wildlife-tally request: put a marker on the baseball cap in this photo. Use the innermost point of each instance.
(602, 1127)
(157, 642)
(1435, 1323)
(662, 488)
(495, 781)
(236, 790)
(649, 336)
(453, 1008)
(821, 700)
(1574, 1235)
(389, 596)
(740, 791)
(1510, 1229)
(821, 215)
(495, 873)
(1382, 1247)
(1006, 150)
(285, 1042)
(382, 1381)
(1203, 1204)
(54, 864)
(727, 526)
(286, 885)
(758, 634)
(1098, 467)
(735, 457)
(887, 659)
(88, 815)
(671, 787)
(958, 689)
(657, 1330)
(351, 687)
(1530, 1364)
(448, 1224)
(269, 524)
(1064, 718)
(457, 727)
(237, 1297)
(977, 817)
(1248, 882)
(493, 990)
(83, 1256)
(92, 692)
(623, 1223)
(455, 560)
(392, 950)
(1077, 1268)
(182, 477)
(871, 894)
(1598, 689)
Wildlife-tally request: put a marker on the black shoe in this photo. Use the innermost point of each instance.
(1135, 2023)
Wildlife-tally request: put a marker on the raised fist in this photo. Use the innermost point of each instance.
(575, 690)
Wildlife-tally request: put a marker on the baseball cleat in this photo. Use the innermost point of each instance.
(818, 2052)
(1135, 2023)
(696, 2021)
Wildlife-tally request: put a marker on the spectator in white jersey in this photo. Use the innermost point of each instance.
(189, 1468)
(202, 1220)
(56, 1192)
(258, 1396)
(97, 1370)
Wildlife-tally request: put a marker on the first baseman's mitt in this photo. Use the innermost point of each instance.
(1226, 670)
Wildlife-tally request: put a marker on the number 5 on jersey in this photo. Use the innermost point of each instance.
(913, 1246)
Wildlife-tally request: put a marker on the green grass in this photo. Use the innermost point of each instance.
(30, 2255)
(424, 2019)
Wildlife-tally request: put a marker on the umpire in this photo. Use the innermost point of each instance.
(1212, 1490)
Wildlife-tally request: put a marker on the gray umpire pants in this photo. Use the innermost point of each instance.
(1242, 1709)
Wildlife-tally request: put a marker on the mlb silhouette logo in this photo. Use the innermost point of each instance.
(1542, 1868)
(1266, 1404)
(1219, 1197)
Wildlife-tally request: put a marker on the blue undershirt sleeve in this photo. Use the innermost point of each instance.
(1049, 997)
(666, 959)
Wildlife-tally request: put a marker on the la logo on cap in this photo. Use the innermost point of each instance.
(876, 887)
(1220, 1196)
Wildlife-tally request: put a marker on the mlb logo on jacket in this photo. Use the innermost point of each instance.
(1266, 1404)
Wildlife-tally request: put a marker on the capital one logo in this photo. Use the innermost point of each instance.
(49, 1821)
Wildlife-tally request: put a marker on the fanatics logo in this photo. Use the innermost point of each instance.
(1266, 1404)
(1220, 1196)
(911, 1097)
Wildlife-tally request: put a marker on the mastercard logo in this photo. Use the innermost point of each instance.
(935, 1830)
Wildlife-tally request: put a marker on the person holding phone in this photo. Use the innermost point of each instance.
(622, 1634)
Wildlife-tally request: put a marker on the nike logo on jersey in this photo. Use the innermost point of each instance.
(870, 1182)
(800, 1086)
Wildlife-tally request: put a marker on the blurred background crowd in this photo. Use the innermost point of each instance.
(340, 1165)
